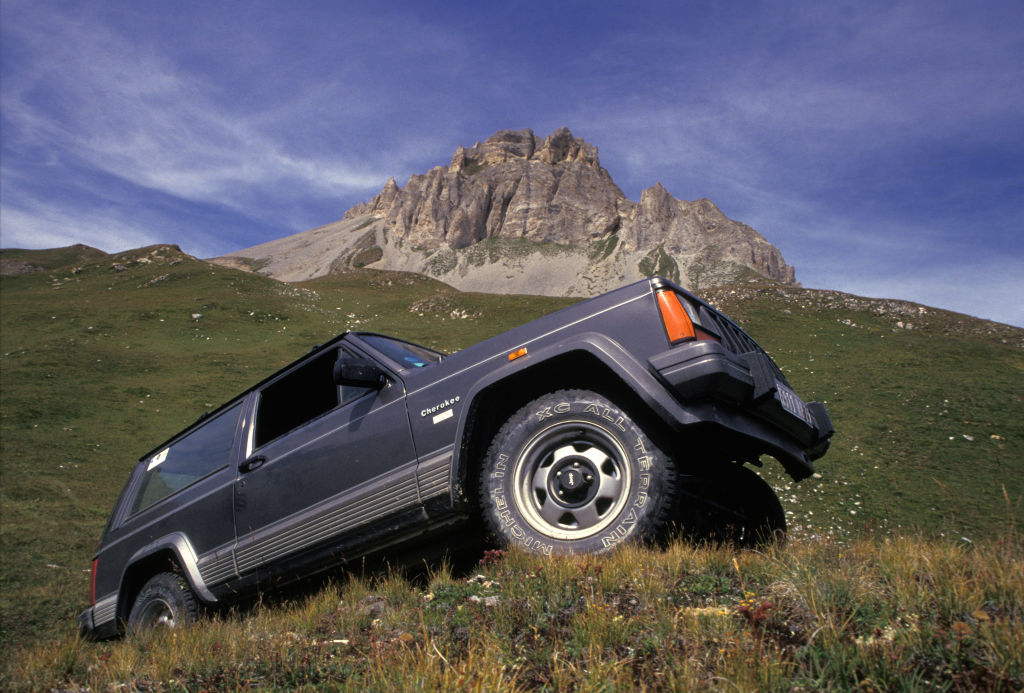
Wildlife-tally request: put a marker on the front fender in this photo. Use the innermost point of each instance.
(609, 353)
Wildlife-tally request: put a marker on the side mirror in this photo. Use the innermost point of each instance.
(359, 373)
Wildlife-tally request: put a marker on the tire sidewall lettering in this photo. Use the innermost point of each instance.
(641, 457)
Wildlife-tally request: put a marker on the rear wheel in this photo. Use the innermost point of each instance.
(571, 472)
(166, 601)
(733, 505)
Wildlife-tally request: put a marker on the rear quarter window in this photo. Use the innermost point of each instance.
(187, 460)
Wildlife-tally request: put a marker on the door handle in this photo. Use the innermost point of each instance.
(252, 463)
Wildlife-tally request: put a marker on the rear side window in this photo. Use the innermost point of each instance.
(189, 459)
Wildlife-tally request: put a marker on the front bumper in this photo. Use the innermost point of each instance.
(705, 371)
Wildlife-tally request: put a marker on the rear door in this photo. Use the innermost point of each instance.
(180, 497)
(321, 460)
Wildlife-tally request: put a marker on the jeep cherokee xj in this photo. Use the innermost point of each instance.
(611, 420)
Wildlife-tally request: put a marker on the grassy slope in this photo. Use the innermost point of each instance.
(100, 365)
(868, 615)
(926, 403)
(20, 259)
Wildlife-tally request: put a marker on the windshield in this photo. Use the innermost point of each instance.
(405, 353)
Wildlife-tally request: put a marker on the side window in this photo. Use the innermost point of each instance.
(302, 395)
(201, 452)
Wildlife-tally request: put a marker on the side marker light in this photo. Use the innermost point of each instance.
(517, 353)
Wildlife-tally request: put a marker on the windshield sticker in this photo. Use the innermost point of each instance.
(158, 459)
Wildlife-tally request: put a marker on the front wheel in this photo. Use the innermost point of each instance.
(571, 472)
(166, 601)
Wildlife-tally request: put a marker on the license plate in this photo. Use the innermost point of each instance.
(791, 402)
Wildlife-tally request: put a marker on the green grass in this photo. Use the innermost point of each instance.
(658, 262)
(599, 250)
(101, 364)
(928, 425)
(495, 249)
(869, 614)
(70, 257)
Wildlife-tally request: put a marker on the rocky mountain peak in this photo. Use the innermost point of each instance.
(562, 146)
(540, 212)
(523, 145)
(513, 184)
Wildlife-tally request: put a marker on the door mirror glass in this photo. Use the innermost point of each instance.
(358, 372)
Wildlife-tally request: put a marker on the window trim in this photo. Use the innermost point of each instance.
(260, 392)
(252, 448)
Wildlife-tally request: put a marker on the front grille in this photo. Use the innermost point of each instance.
(736, 340)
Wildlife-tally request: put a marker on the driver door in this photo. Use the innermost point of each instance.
(321, 460)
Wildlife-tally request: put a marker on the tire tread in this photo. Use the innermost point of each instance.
(655, 525)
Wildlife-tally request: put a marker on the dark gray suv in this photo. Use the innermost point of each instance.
(616, 419)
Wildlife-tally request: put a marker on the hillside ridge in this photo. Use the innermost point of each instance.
(101, 363)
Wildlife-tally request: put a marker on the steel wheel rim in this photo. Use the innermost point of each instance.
(157, 613)
(553, 499)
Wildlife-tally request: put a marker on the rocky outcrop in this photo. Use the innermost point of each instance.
(519, 213)
(512, 185)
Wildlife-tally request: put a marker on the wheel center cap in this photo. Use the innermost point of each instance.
(571, 479)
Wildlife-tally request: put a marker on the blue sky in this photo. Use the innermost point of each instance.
(879, 145)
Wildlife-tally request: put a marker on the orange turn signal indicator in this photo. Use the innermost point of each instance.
(513, 355)
(678, 325)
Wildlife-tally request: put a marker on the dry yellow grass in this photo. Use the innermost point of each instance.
(867, 614)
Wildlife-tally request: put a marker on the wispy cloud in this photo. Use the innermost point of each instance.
(872, 142)
(848, 134)
(274, 140)
(36, 226)
(117, 106)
